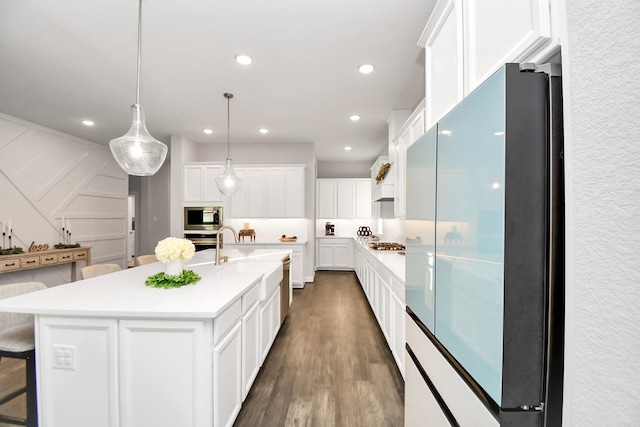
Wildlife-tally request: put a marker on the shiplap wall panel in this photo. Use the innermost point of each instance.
(45, 174)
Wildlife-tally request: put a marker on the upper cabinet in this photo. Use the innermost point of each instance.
(200, 182)
(343, 198)
(269, 192)
(465, 41)
(410, 132)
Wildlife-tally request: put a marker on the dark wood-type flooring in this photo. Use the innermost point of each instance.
(329, 365)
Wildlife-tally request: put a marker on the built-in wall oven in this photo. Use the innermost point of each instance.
(203, 241)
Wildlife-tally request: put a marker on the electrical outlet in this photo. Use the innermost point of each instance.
(64, 356)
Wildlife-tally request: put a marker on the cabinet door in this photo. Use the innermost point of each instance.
(326, 201)
(250, 348)
(490, 40)
(297, 269)
(294, 194)
(398, 331)
(343, 255)
(363, 198)
(277, 188)
(326, 255)
(193, 179)
(210, 189)
(239, 201)
(346, 191)
(269, 322)
(227, 378)
(443, 43)
(256, 186)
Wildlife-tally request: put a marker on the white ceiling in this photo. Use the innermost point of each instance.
(64, 61)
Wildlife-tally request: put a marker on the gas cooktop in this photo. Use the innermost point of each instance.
(386, 246)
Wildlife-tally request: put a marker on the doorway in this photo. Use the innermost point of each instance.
(131, 230)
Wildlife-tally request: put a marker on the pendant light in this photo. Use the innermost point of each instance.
(137, 152)
(228, 183)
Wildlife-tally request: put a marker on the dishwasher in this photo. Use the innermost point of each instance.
(285, 288)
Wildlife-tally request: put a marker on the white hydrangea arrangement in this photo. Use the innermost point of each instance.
(174, 249)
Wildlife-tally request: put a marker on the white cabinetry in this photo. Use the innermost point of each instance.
(285, 189)
(411, 131)
(227, 377)
(335, 253)
(501, 31)
(466, 41)
(269, 321)
(251, 352)
(200, 182)
(269, 192)
(385, 294)
(343, 198)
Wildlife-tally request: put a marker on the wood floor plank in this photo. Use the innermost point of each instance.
(329, 366)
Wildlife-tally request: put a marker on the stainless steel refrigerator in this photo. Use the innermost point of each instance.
(485, 243)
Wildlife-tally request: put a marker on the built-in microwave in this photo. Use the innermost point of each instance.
(202, 217)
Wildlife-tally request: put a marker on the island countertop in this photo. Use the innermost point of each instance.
(124, 293)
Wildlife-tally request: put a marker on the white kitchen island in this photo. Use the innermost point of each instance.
(111, 351)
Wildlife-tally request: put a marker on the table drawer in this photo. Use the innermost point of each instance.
(10, 264)
(48, 259)
(32, 261)
(65, 257)
(80, 255)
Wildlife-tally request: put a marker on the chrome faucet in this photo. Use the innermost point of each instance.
(235, 236)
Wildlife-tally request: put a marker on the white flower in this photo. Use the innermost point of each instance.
(173, 248)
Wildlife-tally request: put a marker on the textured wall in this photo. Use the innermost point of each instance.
(45, 174)
(603, 160)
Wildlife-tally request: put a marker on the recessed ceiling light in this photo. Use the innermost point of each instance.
(263, 131)
(243, 59)
(347, 148)
(354, 118)
(366, 68)
(207, 131)
(499, 133)
(445, 132)
(88, 122)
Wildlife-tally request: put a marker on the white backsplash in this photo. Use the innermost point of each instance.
(392, 229)
(271, 229)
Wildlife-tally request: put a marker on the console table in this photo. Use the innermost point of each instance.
(27, 260)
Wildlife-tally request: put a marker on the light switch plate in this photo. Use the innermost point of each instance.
(64, 356)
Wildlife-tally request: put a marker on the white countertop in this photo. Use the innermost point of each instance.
(392, 260)
(248, 242)
(124, 293)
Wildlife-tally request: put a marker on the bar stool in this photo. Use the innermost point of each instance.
(17, 341)
(146, 259)
(98, 270)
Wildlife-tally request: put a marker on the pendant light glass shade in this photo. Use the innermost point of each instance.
(228, 183)
(137, 152)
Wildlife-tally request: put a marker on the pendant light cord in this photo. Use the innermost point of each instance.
(139, 53)
(228, 96)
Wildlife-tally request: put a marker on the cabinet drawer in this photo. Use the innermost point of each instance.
(32, 261)
(65, 257)
(80, 255)
(10, 264)
(48, 259)
(251, 297)
(224, 322)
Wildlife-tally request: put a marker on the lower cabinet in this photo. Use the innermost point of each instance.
(269, 322)
(227, 378)
(385, 294)
(251, 352)
(335, 253)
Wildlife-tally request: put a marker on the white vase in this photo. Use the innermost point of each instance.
(173, 268)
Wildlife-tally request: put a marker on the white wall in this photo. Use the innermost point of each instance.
(602, 121)
(345, 169)
(45, 174)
